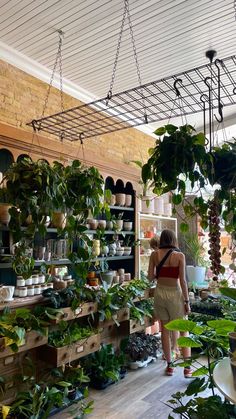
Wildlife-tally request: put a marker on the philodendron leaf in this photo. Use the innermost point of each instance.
(181, 325)
(227, 325)
(188, 342)
(160, 131)
(228, 292)
(184, 228)
(196, 386)
(200, 138)
(170, 129)
(200, 371)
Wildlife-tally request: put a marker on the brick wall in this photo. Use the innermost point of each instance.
(21, 100)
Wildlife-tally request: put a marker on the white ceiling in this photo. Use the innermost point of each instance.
(171, 36)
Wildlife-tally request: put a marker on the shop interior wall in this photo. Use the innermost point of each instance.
(21, 100)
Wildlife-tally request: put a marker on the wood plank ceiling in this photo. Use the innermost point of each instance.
(171, 36)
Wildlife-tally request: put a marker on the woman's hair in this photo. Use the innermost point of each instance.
(168, 239)
(154, 242)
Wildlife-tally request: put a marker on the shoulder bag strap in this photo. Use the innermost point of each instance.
(159, 266)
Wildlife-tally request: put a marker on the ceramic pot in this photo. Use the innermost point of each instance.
(168, 210)
(107, 277)
(128, 200)
(104, 250)
(147, 205)
(4, 214)
(58, 220)
(195, 274)
(96, 248)
(113, 200)
(93, 282)
(127, 250)
(159, 206)
(112, 249)
(118, 225)
(127, 225)
(109, 225)
(120, 199)
(93, 224)
(120, 251)
(102, 224)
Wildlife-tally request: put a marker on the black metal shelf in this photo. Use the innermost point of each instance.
(152, 102)
(56, 262)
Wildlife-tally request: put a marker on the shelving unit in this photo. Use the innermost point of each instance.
(150, 225)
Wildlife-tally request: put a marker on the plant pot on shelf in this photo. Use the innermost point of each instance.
(147, 205)
(128, 200)
(118, 225)
(109, 225)
(159, 205)
(96, 249)
(107, 277)
(120, 251)
(127, 250)
(120, 199)
(104, 250)
(127, 225)
(93, 224)
(112, 249)
(4, 213)
(59, 219)
(196, 274)
(93, 282)
(102, 224)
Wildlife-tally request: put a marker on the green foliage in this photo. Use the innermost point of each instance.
(104, 364)
(66, 334)
(195, 249)
(142, 309)
(192, 163)
(139, 346)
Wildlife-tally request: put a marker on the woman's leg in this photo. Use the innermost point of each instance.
(166, 343)
(185, 351)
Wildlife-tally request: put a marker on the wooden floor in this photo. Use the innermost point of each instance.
(140, 395)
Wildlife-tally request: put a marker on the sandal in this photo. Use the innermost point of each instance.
(188, 372)
(169, 370)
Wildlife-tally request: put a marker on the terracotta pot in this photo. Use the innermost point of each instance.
(4, 214)
(91, 275)
(93, 282)
(120, 199)
(58, 220)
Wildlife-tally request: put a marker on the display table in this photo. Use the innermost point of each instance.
(223, 379)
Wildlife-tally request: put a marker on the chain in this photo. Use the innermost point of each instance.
(58, 57)
(109, 95)
(235, 9)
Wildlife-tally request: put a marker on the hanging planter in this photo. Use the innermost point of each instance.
(192, 163)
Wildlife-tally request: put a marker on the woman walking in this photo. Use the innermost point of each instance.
(171, 300)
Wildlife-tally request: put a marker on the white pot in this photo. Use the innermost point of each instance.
(168, 210)
(104, 250)
(107, 276)
(128, 200)
(147, 205)
(127, 251)
(128, 225)
(195, 274)
(118, 225)
(120, 199)
(159, 206)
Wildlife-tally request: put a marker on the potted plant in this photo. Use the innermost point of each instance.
(140, 349)
(106, 274)
(196, 252)
(128, 225)
(146, 197)
(103, 367)
(193, 164)
(4, 207)
(118, 222)
(127, 245)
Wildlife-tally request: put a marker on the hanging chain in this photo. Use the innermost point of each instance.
(235, 9)
(58, 58)
(109, 95)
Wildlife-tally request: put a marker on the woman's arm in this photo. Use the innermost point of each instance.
(152, 267)
(183, 282)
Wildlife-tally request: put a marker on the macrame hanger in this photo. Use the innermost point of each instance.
(126, 12)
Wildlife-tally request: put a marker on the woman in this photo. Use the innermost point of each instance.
(167, 265)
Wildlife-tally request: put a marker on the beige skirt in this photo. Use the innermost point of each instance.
(168, 303)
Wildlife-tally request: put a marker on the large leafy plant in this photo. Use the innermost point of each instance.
(181, 158)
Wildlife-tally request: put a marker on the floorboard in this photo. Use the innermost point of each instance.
(140, 395)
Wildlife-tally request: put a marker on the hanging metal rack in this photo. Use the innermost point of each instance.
(125, 109)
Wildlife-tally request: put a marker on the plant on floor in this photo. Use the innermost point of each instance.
(103, 366)
(212, 339)
(139, 346)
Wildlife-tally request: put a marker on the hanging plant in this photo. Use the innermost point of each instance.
(181, 158)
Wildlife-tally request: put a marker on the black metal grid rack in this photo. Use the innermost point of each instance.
(152, 102)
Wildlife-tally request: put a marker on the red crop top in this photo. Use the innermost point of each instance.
(169, 272)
